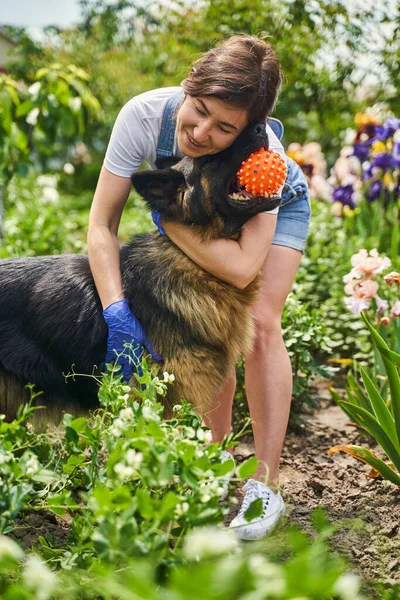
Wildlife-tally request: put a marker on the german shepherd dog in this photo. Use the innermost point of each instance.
(51, 315)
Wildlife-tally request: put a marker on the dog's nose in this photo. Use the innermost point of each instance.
(260, 134)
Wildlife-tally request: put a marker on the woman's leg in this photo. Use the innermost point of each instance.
(268, 372)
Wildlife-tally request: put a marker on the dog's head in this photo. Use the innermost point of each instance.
(195, 190)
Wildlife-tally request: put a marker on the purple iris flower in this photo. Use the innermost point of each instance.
(396, 154)
(374, 191)
(381, 134)
(367, 173)
(384, 161)
(361, 152)
(344, 195)
(390, 126)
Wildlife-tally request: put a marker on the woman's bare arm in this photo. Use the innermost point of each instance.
(234, 262)
(109, 200)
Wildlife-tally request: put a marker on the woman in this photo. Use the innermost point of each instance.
(232, 84)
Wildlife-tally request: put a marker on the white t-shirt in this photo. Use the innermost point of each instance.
(135, 134)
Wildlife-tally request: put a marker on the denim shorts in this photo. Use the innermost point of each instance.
(295, 211)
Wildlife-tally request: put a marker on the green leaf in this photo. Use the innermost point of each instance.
(145, 504)
(46, 476)
(391, 370)
(368, 422)
(60, 503)
(248, 467)
(381, 411)
(221, 469)
(167, 507)
(255, 510)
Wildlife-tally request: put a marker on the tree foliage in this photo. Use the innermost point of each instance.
(329, 51)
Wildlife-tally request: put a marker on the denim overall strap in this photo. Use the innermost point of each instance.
(165, 147)
(276, 127)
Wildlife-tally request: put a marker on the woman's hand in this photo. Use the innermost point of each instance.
(124, 328)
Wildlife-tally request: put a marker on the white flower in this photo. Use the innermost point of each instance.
(381, 304)
(268, 574)
(200, 435)
(123, 471)
(396, 136)
(47, 181)
(37, 576)
(347, 586)
(50, 195)
(5, 456)
(126, 413)
(181, 509)
(366, 165)
(349, 135)
(32, 466)
(208, 436)
(168, 378)
(190, 433)
(133, 458)
(395, 310)
(34, 88)
(9, 548)
(75, 104)
(148, 413)
(32, 117)
(69, 169)
(209, 541)
(119, 424)
(356, 305)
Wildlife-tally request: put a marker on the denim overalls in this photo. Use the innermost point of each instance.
(294, 212)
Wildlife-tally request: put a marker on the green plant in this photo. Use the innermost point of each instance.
(55, 109)
(381, 419)
(212, 565)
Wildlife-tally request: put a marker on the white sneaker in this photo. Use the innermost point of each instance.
(225, 455)
(273, 509)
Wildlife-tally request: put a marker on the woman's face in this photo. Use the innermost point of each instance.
(206, 125)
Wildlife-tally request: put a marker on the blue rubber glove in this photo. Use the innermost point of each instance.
(155, 215)
(124, 328)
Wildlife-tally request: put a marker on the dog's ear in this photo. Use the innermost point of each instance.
(159, 188)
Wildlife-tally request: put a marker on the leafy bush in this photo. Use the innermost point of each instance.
(134, 490)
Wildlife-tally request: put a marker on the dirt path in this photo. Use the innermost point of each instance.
(366, 510)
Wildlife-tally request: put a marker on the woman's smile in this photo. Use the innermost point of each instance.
(192, 143)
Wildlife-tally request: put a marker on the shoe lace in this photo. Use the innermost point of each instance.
(254, 490)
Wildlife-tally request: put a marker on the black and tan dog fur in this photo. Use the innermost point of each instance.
(51, 316)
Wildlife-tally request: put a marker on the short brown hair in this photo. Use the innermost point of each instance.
(243, 71)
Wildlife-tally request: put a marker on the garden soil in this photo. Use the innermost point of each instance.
(365, 510)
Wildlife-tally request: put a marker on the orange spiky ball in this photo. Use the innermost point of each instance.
(263, 173)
